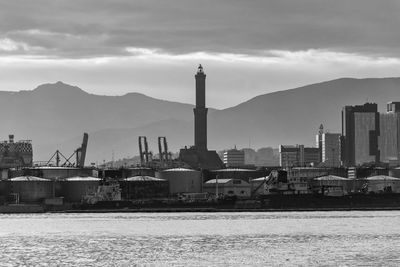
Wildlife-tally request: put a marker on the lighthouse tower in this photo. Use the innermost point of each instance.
(198, 156)
(200, 111)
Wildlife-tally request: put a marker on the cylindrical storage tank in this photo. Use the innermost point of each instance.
(140, 171)
(4, 191)
(31, 188)
(141, 187)
(395, 172)
(74, 188)
(182, 180)
(4, 188)
(236, 173)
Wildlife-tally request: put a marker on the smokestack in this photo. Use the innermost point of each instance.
(11, 138)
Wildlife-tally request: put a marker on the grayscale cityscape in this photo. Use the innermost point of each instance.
(199, 133)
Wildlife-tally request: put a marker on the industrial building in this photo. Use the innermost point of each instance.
(234, 158)
(332, 185)
(198, 156)
(379, 184)
(298, 156)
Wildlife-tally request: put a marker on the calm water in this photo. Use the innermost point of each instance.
(366, 238)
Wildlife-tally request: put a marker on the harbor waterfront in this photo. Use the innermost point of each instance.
(344, 238)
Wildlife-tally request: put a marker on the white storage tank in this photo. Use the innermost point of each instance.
(182, 180)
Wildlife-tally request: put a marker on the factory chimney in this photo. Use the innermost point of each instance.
(200, 112)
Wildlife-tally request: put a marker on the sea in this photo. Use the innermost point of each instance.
(333, 238)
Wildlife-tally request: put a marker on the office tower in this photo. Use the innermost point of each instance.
(389, 139)
(234, 158)
(360, 131)
(330, 149)
(298, 156)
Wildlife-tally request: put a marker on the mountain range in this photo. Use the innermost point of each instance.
(54, 116)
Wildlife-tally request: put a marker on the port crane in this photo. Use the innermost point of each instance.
(145, 155)
(79, 153)
(165, 156)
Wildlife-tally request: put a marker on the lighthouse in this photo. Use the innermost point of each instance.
(200, 111)
(198, 156)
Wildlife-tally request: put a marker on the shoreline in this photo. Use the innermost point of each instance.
(198, 210)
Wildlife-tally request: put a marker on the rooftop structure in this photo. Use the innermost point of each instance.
(15, 154)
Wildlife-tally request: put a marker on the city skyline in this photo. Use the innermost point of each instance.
(119, 47)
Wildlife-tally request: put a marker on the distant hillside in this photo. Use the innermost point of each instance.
(293, 116)
(56, 115)
(53, 114)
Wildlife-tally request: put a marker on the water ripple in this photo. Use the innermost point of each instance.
(191, 239)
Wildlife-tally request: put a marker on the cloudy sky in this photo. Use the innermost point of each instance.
(246, 47)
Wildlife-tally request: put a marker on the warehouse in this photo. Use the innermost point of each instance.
(227, 188)
(331, 185)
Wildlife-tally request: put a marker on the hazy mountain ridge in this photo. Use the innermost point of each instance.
(293, 116)
(55, 116)
(52, 114)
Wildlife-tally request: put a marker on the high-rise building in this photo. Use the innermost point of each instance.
(298, 156)
(318, 140)
(389, 138)
(234, 158)
(330, 148)
(360, 131)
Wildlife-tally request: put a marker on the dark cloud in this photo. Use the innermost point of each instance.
(91, 28)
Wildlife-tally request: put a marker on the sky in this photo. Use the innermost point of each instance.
(247, 48)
